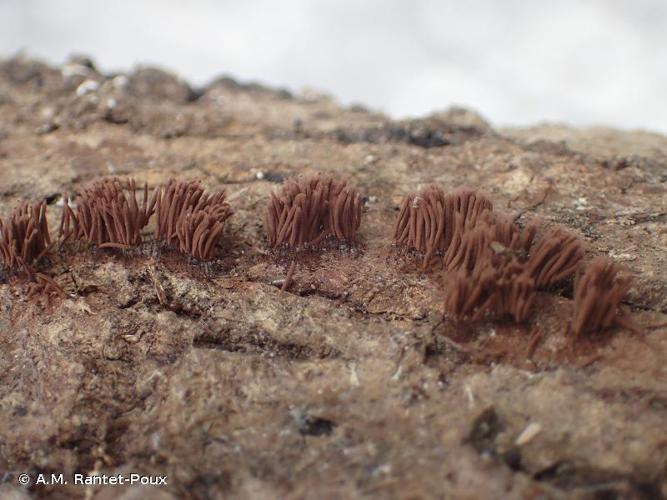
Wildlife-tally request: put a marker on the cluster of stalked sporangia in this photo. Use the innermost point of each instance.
(597, 297)
(24, 238)
(430, 221)
(189, 216)
(489, 265)
(492, 268)
(107, 214)
(308, 209)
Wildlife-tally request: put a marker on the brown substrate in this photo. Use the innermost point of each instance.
(349, 384)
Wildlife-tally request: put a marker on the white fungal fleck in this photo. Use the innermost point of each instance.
(86, 87)
(354, 378)
(119, 81)
(471, 396)
(528, 434)
(70, 70)
(581, 203)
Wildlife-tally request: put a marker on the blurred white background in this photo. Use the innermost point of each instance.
(516, 62)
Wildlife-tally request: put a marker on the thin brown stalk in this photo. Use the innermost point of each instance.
(288, 277)
(44, 286)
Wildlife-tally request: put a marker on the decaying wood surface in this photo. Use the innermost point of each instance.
(350, 384)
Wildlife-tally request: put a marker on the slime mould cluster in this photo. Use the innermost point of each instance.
(24, 238)
(490, 267)
(190, 217)
(107, 215)
(309, 209)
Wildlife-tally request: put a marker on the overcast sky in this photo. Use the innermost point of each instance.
(517, 62)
